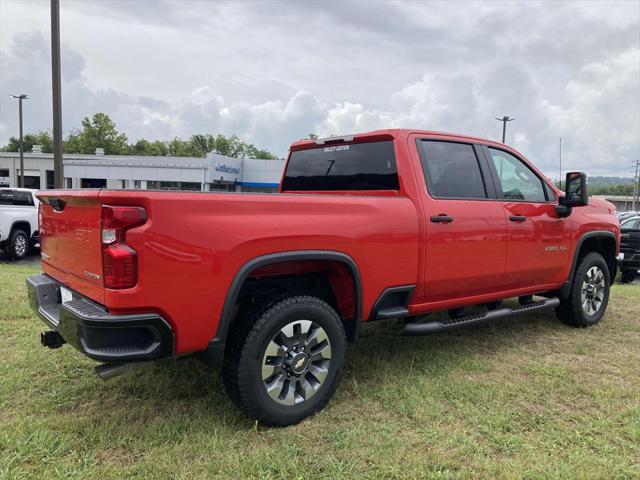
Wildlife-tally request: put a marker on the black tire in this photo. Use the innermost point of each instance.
(572, 310)
(18, 245)
(246, 318)
(244, 363)
(628, 276)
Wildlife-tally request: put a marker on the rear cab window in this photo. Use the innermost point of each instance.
(345, 167)
(452, 170)
(16, 198)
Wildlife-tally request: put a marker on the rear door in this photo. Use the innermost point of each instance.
(70, 242)
(466, 230)
(538, 238)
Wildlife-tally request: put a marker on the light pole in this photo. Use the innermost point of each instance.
(20, 98)
(504, 121)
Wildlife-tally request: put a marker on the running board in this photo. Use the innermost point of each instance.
(424, 328)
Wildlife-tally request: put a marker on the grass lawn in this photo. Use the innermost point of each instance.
(522, 398)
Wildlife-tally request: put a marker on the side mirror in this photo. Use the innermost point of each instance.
(576, 194)
(576, 190)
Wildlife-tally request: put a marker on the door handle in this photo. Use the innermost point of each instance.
(442, 218)
(517, 218)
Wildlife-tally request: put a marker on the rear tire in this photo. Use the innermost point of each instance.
(18, 245)
(628, 276)
(286, 361)
(589, 295)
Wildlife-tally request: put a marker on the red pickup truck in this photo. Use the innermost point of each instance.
(271, 287)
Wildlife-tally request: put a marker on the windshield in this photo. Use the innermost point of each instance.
(358, 166)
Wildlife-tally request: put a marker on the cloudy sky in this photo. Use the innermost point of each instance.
(272, 72)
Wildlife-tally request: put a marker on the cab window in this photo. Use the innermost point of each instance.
(517, 180)
(356, 166)
(452, 170)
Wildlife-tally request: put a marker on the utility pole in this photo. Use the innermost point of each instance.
(20, 98)
(56, 81)
(636, 187)
(504, 121)
(560, 166)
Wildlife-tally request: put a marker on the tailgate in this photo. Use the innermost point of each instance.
(70, 240)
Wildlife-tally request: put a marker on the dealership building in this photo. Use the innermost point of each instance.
(213, 172)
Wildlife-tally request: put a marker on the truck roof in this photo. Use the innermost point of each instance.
(388, 133)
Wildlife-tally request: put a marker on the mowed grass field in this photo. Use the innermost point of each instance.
(522, 398)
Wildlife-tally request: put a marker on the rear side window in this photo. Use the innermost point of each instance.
(15, 197)
(452, 170)
(517, 180)
(357, 166)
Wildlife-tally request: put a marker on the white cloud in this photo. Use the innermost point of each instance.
(273, 72)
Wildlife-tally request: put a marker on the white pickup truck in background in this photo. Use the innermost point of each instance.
(18, 221)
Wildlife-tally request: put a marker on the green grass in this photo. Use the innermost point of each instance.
(523, 398)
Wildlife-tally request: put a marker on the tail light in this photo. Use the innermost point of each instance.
(119, 260)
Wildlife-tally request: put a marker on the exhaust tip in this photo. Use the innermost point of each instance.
(108, 371)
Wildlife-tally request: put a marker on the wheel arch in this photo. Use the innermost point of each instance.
(22, 225)
(601, 241)
(215, 351)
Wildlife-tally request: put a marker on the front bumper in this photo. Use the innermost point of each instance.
(629, 260)
(94, 331)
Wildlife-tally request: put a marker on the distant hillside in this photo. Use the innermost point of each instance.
(609, 181)
(611, 186)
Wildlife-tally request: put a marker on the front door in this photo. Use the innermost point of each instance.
(538, 238)
(466, 229)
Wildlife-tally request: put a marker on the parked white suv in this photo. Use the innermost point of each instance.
(18, 221)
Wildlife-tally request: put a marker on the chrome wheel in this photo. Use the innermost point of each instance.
(593, 289)
(20, 246)
(296, 362)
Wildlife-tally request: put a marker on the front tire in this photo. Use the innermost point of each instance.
(589, 295)
(18, 244)
(286, 363)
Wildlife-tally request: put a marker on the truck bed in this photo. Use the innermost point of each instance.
(194, 243)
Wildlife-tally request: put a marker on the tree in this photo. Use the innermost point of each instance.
(254, 152)
(144, 147)
(43, 139)
(180, 148)
(98, 131)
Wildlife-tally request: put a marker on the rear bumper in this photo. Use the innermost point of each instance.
(94, 331)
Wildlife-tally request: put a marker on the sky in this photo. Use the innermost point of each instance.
(273, 72)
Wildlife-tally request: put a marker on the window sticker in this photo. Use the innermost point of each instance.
(339, 148)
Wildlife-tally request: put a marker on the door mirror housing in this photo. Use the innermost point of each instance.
(576, 194)
(576, 190)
